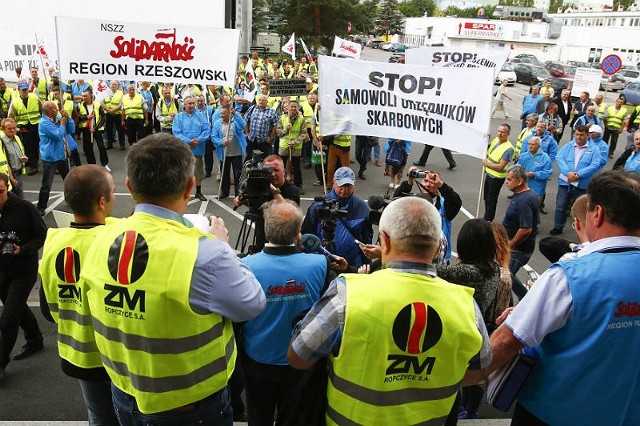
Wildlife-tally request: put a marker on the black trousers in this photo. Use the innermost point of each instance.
(87, 147)
(15, 286)
(208, 157)
(31, 139)
(492, 188)
(611, 137)
(135, 129)
(427, 150)
(114, 121)
(522, 417)
(363, 149)
(236, 163)
(267, 388)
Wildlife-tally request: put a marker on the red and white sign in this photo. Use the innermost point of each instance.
(480, 26)
(290, 46)
(342, 47)
(145, 52)
(26, 50)
(481, 30)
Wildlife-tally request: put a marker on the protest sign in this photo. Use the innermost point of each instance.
(342, 47)
(146, 52)
(586, 80)
(445, 107)
(19, 49)
(288, 87)
(457, 57)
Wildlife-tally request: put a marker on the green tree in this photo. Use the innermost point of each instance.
(415, 8)
(519, 3)
(389, 17)
(470, 12)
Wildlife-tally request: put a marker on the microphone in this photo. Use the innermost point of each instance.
(311, 244)
(376, 202)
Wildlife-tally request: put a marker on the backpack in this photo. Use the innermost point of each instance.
(395, 155)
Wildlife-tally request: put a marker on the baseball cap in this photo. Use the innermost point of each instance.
(595, 129)
(23, 86)
(56, 74)
(344, 175)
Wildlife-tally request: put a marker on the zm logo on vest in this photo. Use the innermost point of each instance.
(128, 257)
(68, 271)
(417, 328)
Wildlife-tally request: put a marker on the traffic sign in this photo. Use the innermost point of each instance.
(611, 64)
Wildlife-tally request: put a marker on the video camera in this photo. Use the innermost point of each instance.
(8, 240)
(255, 188)
(418, 174)
(328, 213)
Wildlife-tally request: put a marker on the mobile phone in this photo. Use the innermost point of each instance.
(360, 243)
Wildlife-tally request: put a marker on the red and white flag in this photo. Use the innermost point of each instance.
(251, 85)
(290, 47)
(306, 50)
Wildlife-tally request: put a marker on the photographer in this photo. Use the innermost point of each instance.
(354, 225)
(280, 189)
(23, 233)
(445, 199)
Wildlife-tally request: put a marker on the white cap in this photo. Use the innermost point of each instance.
(595, 129)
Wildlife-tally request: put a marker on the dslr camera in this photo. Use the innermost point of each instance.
(418, 174)
(8, 240)
(255, 188)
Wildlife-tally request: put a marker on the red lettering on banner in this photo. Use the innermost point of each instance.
(480, 26)
(629, 309)
(348, 48)
(155, 50)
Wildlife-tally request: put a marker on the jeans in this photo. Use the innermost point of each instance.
(492, 186)
(97, 399)
(48, 173)
(363, 150)
(214, 410)
(567, 194)
(518, 260)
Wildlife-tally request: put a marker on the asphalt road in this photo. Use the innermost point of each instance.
(36, 389)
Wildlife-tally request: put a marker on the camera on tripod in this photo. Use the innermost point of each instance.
(328, 213)
(8, 241)
(255, 190)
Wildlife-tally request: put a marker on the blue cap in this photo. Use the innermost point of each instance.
(22, 86)
(344, 175)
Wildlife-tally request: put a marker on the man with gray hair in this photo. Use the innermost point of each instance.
(163, 295)
(293, 282)
(393, 361)
(521, 223)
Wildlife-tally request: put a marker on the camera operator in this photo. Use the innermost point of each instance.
(445, 199)
(280, 190)
(23, 233)
(355, 226)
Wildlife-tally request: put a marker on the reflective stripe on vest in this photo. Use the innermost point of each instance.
(133, 106)
(154, 346)
(82, 110)
(294, 133)
(30, 113)
(411, 374)
(165, 112)
(494, 155)
(63, 256)
(615, 117)
(114, 100)
(601, 109)
(637, 119)
(342, 140)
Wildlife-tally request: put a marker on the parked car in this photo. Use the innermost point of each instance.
(612, 82)
(630, 75)
(375, 44)
(530, 74)
(386, 46)
(398, 47)
(632, 93)
(397, 58)
(560, 83)
(506, 73)
(525, 55)
(561, 70)
(530, 61)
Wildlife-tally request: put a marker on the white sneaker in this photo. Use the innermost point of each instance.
(107, 168)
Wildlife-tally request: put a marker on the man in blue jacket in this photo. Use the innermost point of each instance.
(538, 166)
(595, 137)
(577, 162)
(192, 128)
(53, 148)
(355, 225)
(231, 146)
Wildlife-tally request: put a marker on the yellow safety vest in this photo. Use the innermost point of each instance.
(133, 106)
(523, 134)
(601, 109)
(406, 345)
(294, 133)
(153, 345)
(165, 112)
(82, 110)
(4, 159)
(637, 119)
(615, 117)
(29, 114)
(63, 257)
(342, 140)
(303, 99)
(494, 155)
(114, 100)
(5, 100)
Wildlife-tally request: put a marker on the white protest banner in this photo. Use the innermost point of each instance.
(146, 52)
(445, 107)
(19, 49)
(457, 57)
(586, 80)
(290, 46)
(342, 47)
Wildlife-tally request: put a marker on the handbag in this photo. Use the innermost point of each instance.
(505, 383)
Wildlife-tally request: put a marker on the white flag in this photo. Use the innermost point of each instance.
(290, 47)
(306, 50)
(250, 80)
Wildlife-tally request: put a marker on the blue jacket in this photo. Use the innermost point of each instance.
(604, 150)
(633, 162)
(217, 136)
(344, 242)
(529, 103)
(51, 142)
(583, 120)
(586, 167)
(542, 167)
(548, 144)
(194, 126)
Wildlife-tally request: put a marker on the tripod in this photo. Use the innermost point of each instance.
(246, 231)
